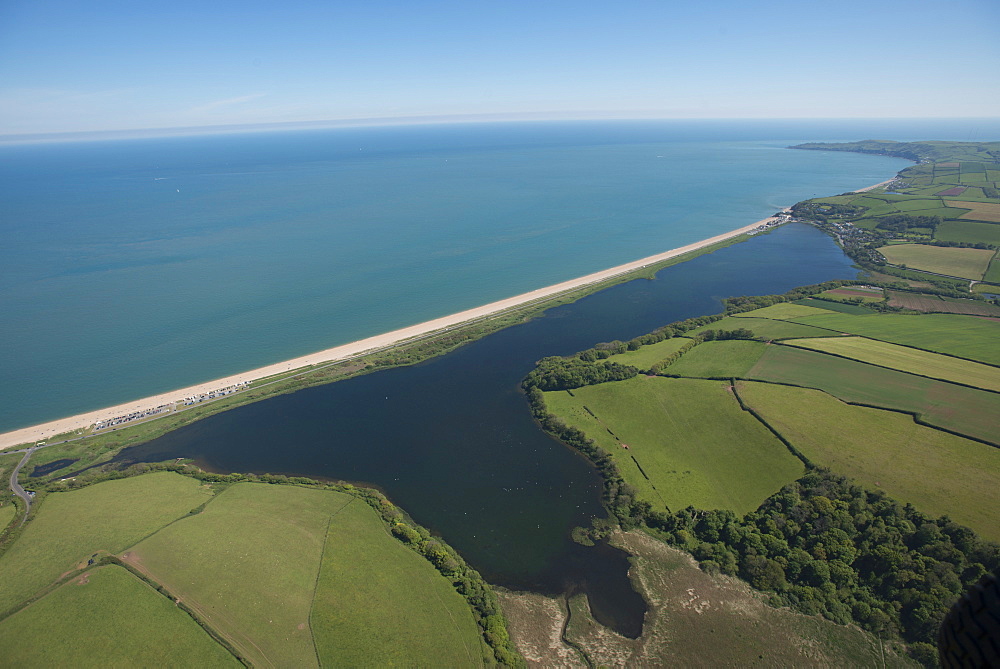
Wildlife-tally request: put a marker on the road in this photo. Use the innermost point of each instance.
(16, 487)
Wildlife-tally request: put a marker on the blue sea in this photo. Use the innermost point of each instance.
(131, 267)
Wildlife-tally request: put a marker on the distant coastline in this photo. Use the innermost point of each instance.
(149, 406)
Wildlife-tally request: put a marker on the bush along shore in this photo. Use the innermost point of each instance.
(466, 580)
(822, 545)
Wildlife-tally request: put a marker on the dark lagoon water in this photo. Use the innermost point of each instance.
(451, 440)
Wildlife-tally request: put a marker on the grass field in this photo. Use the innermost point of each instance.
(986, 288)
(993, 273)
(7, 513)
(965, 263)
(767, 328)
(107, 618)
(691, 438)
(981, 211)
(964, 410)
(782, 311)
(69, 527)
(248, 565)
(906, 359)
(647, 356)
(838, 307)
(968, 231)
(380, 604)
(719, 359)
(845, 294)
(939, 473)
(962, 336)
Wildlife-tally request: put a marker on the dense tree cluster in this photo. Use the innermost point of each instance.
(827, 546)
(556, 373)
(904, 222)
(725, 335)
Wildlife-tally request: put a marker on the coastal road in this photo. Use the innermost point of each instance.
(16, 487)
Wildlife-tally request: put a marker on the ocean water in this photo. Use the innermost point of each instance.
(132, 267)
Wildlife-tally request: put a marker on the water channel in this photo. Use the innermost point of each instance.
(451, 439)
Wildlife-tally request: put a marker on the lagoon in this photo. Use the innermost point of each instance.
(451, 440)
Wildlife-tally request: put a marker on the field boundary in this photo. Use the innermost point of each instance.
(916, 348)
(753, 412)
(894, 369)
(917, 417)
(181, 604)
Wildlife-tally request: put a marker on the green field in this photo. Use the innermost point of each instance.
(906, 359)
(962, 336)
(70, 526)
(993, 273)
(839, 307)
(109, 618)
(379, 603)
(939, 473)
(968, 231)
(951, 261)
(963, 410)
(718, 359)
(766, 328)
(783, 311)
(692, 439)
(647, 356)
(7, 512)
(846, 295)
(248, 565)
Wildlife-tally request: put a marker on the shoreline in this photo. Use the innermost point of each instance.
(43, 431)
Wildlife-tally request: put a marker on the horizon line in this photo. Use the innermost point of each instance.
(439, 119)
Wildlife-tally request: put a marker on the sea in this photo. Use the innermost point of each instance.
(135, 266)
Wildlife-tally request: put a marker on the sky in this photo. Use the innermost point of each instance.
(85, 65)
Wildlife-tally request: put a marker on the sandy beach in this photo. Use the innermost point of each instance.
(44, 431)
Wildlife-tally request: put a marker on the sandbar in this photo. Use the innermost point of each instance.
(44, 431)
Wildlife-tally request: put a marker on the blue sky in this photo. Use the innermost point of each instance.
(112, 64)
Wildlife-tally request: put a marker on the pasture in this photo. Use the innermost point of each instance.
(848, 294)
(782, 311)
(379, 603)
(693, 442)
(69, 527)
(906, 359)
(248, 564)
(839, 307)
(980, 211)
(107, 618)
(993, 273)
(968, 231)
(646, 356)
(718, 359)
(766, 328)
(951, 261)
(939, 473)
(951, 334)
(7, 513)
(963, 410)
